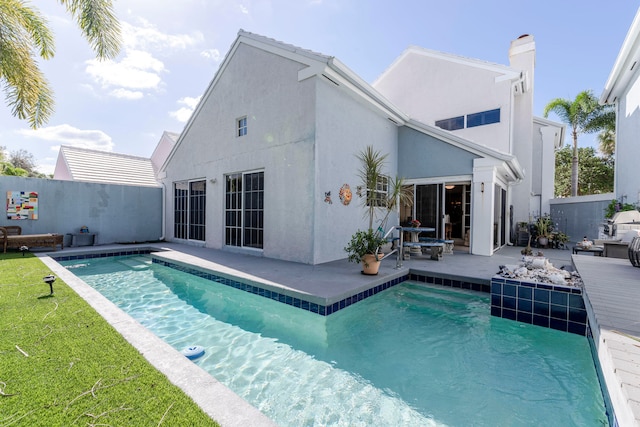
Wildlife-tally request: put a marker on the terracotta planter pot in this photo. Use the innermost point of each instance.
(370, 265)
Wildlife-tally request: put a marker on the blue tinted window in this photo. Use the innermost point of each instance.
(451, 124)
(483, 118)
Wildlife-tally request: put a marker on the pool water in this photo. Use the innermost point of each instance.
(413, 355)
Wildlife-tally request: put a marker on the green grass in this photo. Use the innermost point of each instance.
(62, 364)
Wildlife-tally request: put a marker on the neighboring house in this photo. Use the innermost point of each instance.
(622, 89)
(82, 164)
(260, 164)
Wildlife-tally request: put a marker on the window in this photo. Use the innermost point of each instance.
(244, 210)
(189, 210)
(453, 123)
(378, 196)
(483, 118)
(242, 126)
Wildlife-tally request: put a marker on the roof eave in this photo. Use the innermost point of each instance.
(625, 65)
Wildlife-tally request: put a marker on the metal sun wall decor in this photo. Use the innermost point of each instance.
(345, 194)
(22, 205)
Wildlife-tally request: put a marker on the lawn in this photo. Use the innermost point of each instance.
(62, 364)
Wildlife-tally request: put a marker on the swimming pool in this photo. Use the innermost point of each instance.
(411, 355)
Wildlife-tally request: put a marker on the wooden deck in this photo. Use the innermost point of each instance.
(612, 298)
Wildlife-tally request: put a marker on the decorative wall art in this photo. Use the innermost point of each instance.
(22, 205)
(327, 197)
(345, 194)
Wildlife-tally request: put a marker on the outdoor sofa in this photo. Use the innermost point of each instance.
(11, 237)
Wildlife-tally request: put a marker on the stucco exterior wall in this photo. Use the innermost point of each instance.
(280, 141)
(627, 180)
(423, 156)
(430, 89)
(345, 126)
(118, 213)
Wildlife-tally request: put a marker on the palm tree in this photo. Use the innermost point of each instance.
(584, 115)
(24, 35)
(607, 141)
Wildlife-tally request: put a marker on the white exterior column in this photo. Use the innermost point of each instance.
(484, 177)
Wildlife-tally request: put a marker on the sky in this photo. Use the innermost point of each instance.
(172, 50)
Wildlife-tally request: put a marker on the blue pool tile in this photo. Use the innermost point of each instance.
(509, 290)
(559, 311)
(525, 305)
(524, 317)
(446, 282)
(508, 303)
(509, 314)
(576, 301)
(496, 310)
(524, 292)
(577, 315)
(541, 320)
(560, 325)
(496, 300)
(559, 298)
(577, 328)
(541, 295)
(541, 308)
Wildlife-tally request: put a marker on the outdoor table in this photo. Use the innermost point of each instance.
(415, 236)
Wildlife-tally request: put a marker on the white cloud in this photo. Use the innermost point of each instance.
(183, 113)
(147, 37)
(126, 94)
(244, 9)
(211, 54)
(68, 135)
(138, 71)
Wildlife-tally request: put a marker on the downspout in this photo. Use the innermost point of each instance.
(164, 219)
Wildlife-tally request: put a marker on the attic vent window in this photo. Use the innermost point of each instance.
(483, 118)
(453, 123)
(242, 126)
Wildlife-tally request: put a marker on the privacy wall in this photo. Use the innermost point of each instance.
(117, 213)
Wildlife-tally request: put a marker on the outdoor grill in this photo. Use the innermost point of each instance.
(621, 222)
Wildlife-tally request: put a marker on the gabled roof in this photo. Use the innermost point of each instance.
(323, 66)
(504, 71)
(104, 167)
(329, 67)
(626, 65)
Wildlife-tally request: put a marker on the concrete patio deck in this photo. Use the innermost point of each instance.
(612, 289)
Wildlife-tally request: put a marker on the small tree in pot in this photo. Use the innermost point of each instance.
(381, 196)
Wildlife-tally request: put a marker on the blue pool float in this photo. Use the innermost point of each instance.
(193, 352)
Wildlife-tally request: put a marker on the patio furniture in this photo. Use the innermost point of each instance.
(596, 250)
(12, 237)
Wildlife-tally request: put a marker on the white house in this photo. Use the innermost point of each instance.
(260, 164)
(622, 89)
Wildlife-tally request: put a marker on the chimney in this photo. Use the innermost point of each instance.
(522, 57)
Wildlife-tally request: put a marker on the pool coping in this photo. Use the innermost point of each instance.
(215, 399)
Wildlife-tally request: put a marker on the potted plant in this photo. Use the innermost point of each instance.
(365, 245)
(544, 227)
